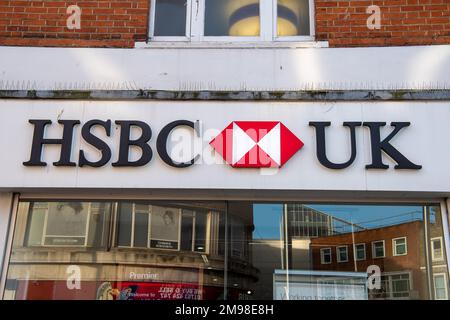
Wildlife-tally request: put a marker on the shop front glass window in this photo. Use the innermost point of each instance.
(121, 250)
(66, 224)
(336, 252)
(214, 250)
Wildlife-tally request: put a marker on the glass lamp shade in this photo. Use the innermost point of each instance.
(287, 22)
(245, 21)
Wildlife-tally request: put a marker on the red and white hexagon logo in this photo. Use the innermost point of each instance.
(256, 144)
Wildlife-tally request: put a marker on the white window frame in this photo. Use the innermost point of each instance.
(312, 26)
(195, 23)
(445, 282)
(149, 234)
(151, 26)
(322, 260)
(133, 226)
(355, 251)
(194, 230)
(394, 247)
(149, 239)
(45, 235)
(433, 258)
(391, 292)
(373, 249)
(338, 258)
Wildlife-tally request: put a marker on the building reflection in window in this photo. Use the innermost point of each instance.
(325, 252)
(226, 250)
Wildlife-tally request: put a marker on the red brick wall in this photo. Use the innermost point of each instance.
(403, 22)
(104, 23)
(413, 260)
(119, 23)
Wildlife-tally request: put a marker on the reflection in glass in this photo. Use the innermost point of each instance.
(132, 250)
(122, 250)
(66, 224)
(170, 18)
(440, 286)
(328, 251)
(293, 18)
(232, 18)
(200, 231)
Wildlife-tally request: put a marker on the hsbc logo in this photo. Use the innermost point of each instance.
(241, 144)
(256, 144)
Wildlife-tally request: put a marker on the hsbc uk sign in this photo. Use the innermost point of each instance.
(256, 144)
(242, 144)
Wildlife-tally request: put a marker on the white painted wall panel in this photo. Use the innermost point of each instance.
(412, 67)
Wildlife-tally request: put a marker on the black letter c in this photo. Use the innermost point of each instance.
(161, 143)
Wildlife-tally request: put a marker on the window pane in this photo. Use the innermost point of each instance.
(342, 254)
(326, 255)
(437, 244)
(36, 224)
(165, 230)
(99, 224)
(111, 272)
(67, 218)
(200, 231)
(437, 249)
(276, 250)
(360, 252)
(379, 249)
(238, 238)
(232, 18)
(141, 229)
(293, 18)
(170, 18)
(186, 230)
(125, 224)
(66, 224)
(439, 282)
(222, 234)
(440, 287)
(300, 240)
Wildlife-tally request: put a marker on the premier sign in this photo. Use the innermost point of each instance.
(242, 144)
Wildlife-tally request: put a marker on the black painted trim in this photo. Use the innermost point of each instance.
(323, 95)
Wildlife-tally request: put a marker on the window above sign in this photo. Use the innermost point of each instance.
(231, 20)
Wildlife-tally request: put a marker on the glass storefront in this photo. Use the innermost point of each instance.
(195, 250)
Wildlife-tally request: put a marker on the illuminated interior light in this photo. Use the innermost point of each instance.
(287, 22)
(245, 21)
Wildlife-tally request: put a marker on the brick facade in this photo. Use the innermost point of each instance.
(119, 23)
(403, 22)
(104, 23)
